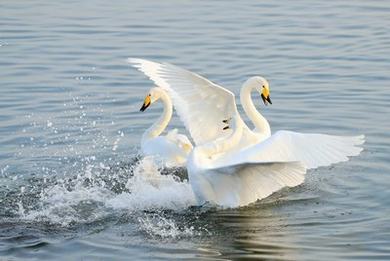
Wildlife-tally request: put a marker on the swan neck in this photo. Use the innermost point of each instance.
(159, 126)
(259, 121)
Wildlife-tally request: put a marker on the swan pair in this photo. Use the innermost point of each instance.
(237, 166)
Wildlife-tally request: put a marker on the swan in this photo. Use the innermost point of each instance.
(239, 183)
(199, 102)
(173, 148)
(253, 173)
(237, 167)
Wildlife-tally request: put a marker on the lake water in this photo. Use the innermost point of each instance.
(72, 186)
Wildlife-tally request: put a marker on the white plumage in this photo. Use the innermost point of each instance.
(312, 150)
(200, 103)
(172, 148)
(236, 167)
(239, 185)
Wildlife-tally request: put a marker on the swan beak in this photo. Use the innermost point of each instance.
(265, 96)
(266, 99)
(146, 103)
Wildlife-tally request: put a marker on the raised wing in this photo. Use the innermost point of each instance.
(239, 185)
(200, 104)
(313, 150)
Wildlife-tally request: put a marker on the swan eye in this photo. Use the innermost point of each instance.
(263, 86)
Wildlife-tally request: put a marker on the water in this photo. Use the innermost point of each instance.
(72, 186)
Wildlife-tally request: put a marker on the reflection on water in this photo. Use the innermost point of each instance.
(259, 234)
(72, 186)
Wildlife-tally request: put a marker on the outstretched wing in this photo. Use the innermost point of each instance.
(313, 150)
(239, 185)
(200, 104)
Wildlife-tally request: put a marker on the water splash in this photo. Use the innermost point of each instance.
(150, 190)
(100, 190)
(67, 187)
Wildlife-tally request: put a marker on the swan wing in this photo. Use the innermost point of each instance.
(241, 184)
(200, 104)
(313, 150)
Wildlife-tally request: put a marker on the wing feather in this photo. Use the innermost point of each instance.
(313, 150)
(200, 104)
(239, 185)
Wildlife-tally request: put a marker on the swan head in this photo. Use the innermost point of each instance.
(153, 95)
(262, 86)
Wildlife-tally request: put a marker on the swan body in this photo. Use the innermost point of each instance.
(239, 166)
(172, 148)
(241, 183)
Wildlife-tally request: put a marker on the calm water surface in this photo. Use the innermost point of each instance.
(72, 186)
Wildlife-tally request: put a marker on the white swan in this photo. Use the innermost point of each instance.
(201, 103)
(172, 148)
(240, 183)
(243, 153)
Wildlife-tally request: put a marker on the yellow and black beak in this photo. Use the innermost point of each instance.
(146, 103)
(266, 100)
(265, 96)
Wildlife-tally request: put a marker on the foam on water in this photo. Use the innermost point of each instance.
(150, 190)
(84, 202)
